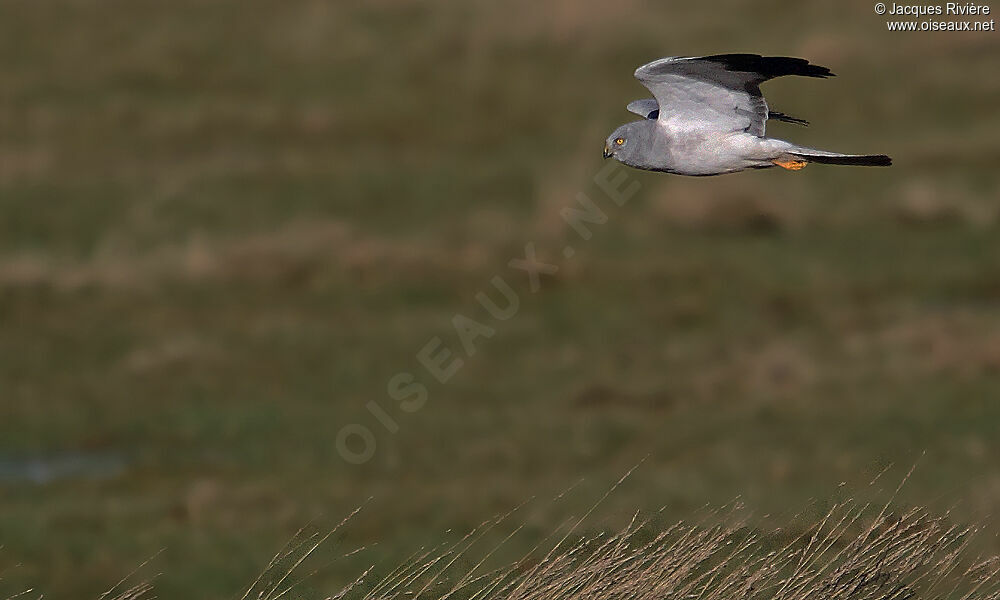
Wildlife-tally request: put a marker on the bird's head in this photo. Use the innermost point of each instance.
(625, 141)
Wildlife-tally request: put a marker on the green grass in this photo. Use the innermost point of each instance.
(225, 226)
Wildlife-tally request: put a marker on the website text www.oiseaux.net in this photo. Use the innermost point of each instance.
(923, 16)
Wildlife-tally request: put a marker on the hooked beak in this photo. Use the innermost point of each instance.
(607, 152)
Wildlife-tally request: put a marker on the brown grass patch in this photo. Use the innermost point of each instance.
(725, 204)
(293, 253)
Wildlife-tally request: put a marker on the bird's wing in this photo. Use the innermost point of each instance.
(647, 108)
(720, 92)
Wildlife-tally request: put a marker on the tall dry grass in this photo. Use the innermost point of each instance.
(853, 552)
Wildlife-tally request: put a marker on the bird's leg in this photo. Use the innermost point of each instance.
(790, 163)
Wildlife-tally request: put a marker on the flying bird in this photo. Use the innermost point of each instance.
(707, 117)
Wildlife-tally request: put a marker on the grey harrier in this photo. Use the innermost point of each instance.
(708, 118)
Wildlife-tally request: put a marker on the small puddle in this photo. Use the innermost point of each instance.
(43, 470)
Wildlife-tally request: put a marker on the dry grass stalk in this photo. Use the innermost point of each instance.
(848, 555)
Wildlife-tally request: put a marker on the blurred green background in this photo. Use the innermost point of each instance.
(224, 226)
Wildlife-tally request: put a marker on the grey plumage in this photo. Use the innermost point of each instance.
(708, 118)
(647, 108)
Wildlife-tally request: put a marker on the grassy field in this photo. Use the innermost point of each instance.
(225, 226)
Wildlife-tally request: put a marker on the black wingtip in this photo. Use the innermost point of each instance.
(770, 66)
(777, 116)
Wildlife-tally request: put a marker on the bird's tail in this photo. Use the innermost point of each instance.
(835, 158)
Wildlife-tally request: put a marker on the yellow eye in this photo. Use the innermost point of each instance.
(619, 141)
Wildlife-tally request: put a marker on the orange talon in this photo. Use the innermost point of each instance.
(791, 164)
